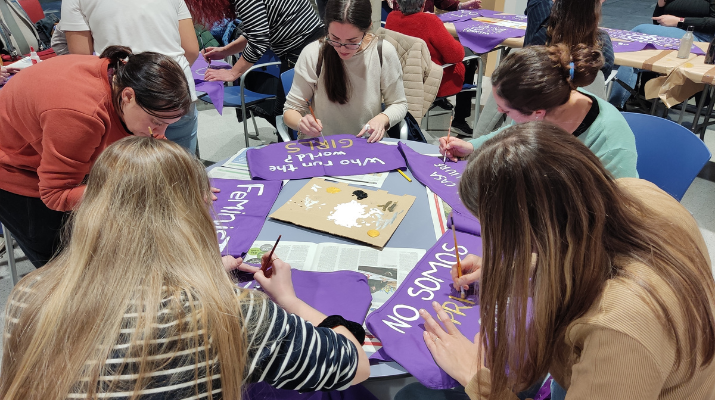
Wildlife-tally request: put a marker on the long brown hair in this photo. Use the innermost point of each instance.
(574, 22)
(158, 81)
(354, 12)
(142, 234)
(539, 77)
(537, 189)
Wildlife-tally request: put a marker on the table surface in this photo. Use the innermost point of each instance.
(418, 219)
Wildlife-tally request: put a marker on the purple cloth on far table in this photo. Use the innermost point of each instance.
(308, 158)
(344, 293)
(240, 210)
(213, 89)
(501, 15)
(636, 41)
(398, 325)
(483, 37)
(461, 15)
(443, 179)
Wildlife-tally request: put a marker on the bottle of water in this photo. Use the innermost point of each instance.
(686, 43)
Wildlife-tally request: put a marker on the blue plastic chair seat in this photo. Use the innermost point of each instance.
(467, 86)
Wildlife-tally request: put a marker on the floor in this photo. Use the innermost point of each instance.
(221, 136)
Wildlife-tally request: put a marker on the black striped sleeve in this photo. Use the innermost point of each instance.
(288, 352)
(254, 17)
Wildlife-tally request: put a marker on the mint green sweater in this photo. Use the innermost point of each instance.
(609, 138)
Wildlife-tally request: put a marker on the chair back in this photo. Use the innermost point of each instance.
(287, 80)
(268, 57)
(669, 155)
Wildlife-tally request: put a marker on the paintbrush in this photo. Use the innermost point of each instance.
(268, 272)
(449, 130)
(456, 253)
(314, 117)
(151, 133)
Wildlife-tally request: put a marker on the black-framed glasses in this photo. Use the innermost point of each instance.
(349, 46)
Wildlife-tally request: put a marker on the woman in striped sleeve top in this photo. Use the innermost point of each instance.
(139, 306)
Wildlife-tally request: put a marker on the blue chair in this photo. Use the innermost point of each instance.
(669, 155)
(286, 134)
(240, 97)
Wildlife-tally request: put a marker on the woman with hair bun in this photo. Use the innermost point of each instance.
(58, 116)
(542, 83)
(348, 76)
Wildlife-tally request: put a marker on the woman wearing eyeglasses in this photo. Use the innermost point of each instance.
(347, 76)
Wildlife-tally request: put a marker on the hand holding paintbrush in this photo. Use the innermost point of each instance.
(310, 127)
(456, 253)
(266, 263)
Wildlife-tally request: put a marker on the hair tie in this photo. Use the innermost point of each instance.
(571, 69)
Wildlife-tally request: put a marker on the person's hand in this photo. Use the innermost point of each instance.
(470, 5)
(221, 74)
(471, 271)
(667, 20)
(453, 352)
(214, 53)
(214, 190)
(280, 285)
(230, 263)
(454, 147)
(310, 126)
(375, 128)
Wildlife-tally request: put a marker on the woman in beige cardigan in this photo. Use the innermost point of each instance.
(617, 273)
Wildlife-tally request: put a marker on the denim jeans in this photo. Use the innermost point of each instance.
(629, 75)
(184, 131)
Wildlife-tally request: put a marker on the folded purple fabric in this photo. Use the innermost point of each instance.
(213, 89)
(239, 212)
(308, 158)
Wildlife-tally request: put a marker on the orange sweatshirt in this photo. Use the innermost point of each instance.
(56, 117)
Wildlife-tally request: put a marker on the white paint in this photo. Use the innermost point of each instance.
(348, 214)
(315, 188)
(308, 202)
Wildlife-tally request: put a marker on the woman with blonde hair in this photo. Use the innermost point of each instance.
(617, 273)
(138, 304)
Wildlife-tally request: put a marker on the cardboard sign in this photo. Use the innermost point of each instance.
(443, 179)
(368, 216)
(338, 155)
(398, 324)
(240, 212)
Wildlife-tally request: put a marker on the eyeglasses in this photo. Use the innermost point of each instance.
(348, 46)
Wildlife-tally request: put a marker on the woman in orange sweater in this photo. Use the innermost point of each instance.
(412, 19)
(58, 116)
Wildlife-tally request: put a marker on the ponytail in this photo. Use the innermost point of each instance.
(542, 78)
(354, 12)
(159, 83)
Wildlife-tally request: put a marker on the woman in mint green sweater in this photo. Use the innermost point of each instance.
(541, 83)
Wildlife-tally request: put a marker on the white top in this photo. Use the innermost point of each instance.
(142, 25)
(371, 86)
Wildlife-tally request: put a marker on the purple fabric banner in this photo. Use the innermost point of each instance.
(240, 211)
(635, 41)
(461, 15)
(483, 37)
(213, 89)
(344, 293)
(263, 391)
(398, 324)
(443, 179)
(308, 158)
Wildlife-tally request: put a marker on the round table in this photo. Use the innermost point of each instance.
(415, 231)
